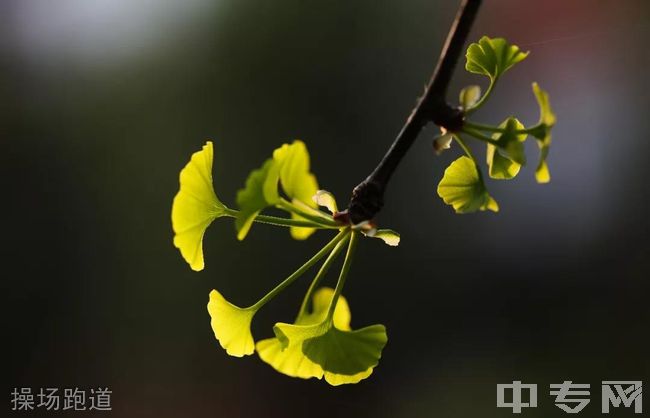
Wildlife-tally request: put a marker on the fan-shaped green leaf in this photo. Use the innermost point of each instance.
(195, 206)
(257, 195)
(289, 359)
(547, 120)
(492, 57)
(462, 187)
(231, 325)
(507, 166)
(289, 168)
(297, 181)
(342, 355)
(347, 352)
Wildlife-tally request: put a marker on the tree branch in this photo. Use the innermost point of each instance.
(368, 197)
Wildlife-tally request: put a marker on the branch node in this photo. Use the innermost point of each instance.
(368, 197)
(367, 200)
(444, 115)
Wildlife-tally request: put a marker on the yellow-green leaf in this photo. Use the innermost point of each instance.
(231, 325)
(296, 179)
(289, 358)
(462, 187)
(350, 356)
(547, 120)
(347, 353)
(195, 206)
(546, 115)
(298, 183)
(256, 195)
(289, 168)
(492, 57)
(506, 166)
(320, 305)
(500, 167)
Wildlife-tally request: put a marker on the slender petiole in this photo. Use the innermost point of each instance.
(321, 273)
(286, 282)
(465, 148)
(278, 221)
(316, 216)
(478, 135)
(468, 151)
(490, 128)
(483, 98)
(354, 238)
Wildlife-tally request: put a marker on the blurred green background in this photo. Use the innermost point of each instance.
(104, 101)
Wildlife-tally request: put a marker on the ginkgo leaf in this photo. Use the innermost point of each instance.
(547, 120)
(319, 339)
(462, 187)
(296, 179)
(301, 232)
(326, 199)
(231, 325)
(298, 183)
(289, 359)
(492, 57)
(344, 355)
(337, 379)
(256, 195)
(293, 334)
(546, 115)
(289, 168)
(469, 96)
(499, 166)
(389, 236)
(195, 206)
(321, 301)
(506, 166)
(348, 353)
(312, 324)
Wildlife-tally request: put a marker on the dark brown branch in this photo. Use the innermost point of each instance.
(368, 197)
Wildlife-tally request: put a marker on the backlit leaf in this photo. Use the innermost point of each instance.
(298, 183)
(231, 325)
(492, 57)
(462, 187)
(342, 355)
(195, 206)
(547, 120)
(289, 359)
(289, 168)
(347, 353)
(257, 195)
(511, 143)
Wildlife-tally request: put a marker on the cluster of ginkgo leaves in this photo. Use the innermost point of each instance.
(320, 342)
(462, 185)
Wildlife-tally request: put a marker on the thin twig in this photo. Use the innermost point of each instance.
(368, 197)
